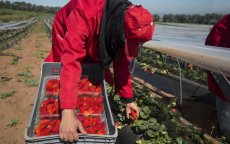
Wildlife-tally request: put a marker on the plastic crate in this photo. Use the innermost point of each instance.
(52, 70)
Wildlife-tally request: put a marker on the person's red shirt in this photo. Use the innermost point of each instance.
(75, 36)
(219, 36)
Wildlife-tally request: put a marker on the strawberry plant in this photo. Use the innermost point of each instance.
(152, 61)
(157, 122)
(27, 73)
(13, 122)
(15, 60)
(7, 94)
(31, 82)
(27, 77)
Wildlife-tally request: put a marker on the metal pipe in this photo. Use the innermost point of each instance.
(216, 59)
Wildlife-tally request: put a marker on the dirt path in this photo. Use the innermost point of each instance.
(18, 78)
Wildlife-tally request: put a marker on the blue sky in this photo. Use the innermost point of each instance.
(163, 6)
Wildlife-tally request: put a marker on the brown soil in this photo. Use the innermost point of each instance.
(19, 105)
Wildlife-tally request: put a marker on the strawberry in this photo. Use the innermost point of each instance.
(41, 127)
(55, 127)
(95, 121)
(87, 122)
(133, 115)
(174, 109)
(85, 86)
(52, 87)
(101, 132)
(88, 112)
(45, 132)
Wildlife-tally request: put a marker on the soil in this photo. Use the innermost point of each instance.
(32, 50)
(19, 105)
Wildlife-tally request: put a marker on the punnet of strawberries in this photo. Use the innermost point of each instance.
(52, 88)
(93, 124)
(88, 105)
(49, 107)
(89, 108)
(47, 126)
(85, 87)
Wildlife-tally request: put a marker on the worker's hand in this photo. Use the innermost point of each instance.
(131, 106)
(70, 126)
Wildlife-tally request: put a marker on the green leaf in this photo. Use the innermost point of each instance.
(137, 122)
(146, 123)
(122, 109)
(116, 98)
(179, 140)
(162, 127)
(153, 127)
(150, 133)
(142, 127)
(152, 120)
(144, 116)
(198, 139)
(119, 115)
(139, 142)
(146, 110)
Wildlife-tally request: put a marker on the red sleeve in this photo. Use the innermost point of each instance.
(57, 38)
(72, 55)
(122, 76)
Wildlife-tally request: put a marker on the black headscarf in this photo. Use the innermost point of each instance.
(112, 30)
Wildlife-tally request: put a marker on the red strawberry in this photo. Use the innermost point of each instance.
(41, 127)
(50, 109)
(52, 87)
(45, 132)
(50, 106)
(87, 122)
(133, 115)
(101, 132)
(91, 130)
(95, 121)
(43, 110)
(55, 128)
(88, 112)
(174, 109)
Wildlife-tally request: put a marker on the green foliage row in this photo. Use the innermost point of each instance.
(157, 122)
(195, 18)
(7, 15)
(154, 61)
(28, 7)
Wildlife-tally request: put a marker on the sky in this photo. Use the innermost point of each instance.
(163, 6)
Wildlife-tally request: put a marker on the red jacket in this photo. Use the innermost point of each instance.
(75, 36)
(219, 36)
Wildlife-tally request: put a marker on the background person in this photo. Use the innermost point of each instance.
(220, 36)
